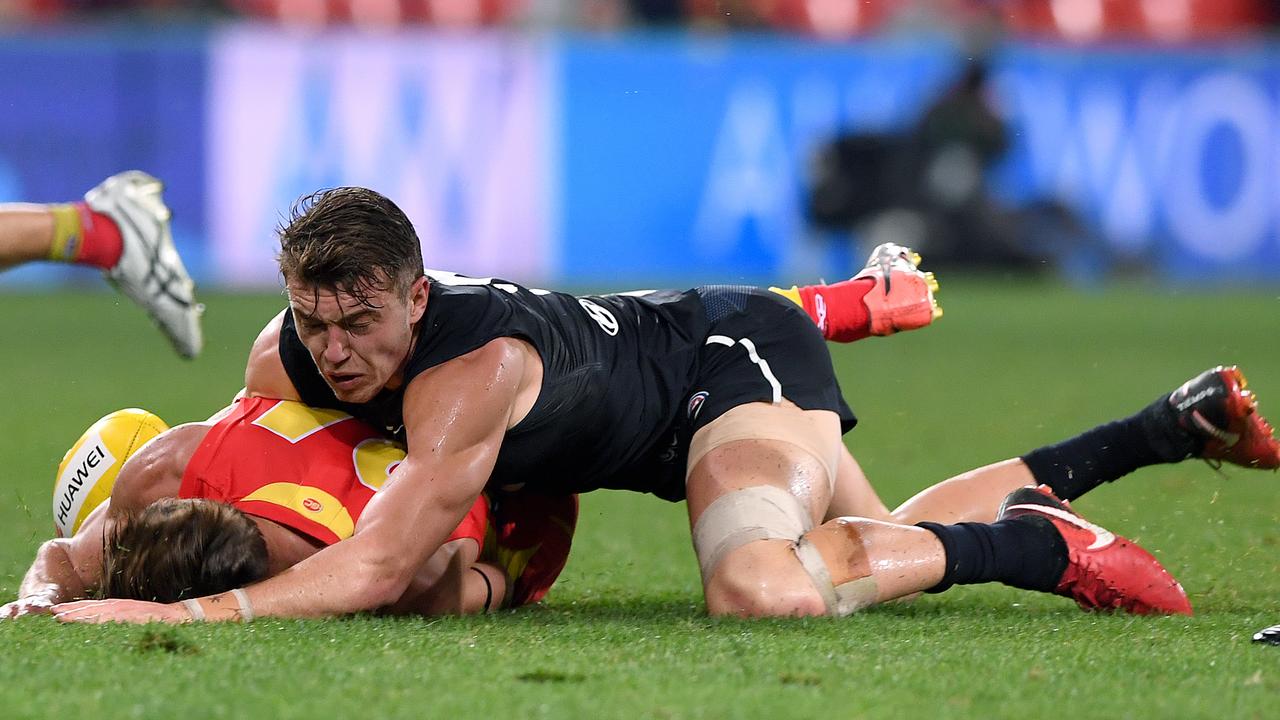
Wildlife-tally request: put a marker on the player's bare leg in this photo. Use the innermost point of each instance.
(70, 232)
(973, 496)
(753, 505)
(853, 494)
(26, 234)
(858, 561)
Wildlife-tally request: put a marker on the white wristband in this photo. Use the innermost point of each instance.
(194, 609)
(246, 607)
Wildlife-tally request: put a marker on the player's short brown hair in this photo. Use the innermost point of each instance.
(350, 239)
(176, 549)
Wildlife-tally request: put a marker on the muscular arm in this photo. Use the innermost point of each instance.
(455, 416)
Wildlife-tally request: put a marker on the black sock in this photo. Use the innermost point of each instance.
(1024, 552)
(1109, 452)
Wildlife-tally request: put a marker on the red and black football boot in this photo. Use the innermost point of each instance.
(1104, 571)
(529, 537)
(1217, 408)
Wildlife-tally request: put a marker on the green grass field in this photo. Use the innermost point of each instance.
(624, 633)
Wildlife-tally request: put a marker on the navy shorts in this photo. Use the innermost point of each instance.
(761, 347)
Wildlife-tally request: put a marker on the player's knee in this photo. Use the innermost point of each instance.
(746, 517)
(825, 572)
(745, 542)
(762, 584)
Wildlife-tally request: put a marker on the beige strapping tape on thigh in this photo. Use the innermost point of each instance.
(762, 512)
(841, 600)
(760, 421)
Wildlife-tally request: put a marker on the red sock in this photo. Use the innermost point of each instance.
(838, 309)
(101, 244)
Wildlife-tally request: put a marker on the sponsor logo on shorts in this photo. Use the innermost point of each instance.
(80, 475)
(695, 404)
(312, 504)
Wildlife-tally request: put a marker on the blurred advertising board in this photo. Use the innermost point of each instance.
(453, 128)
(1170, 153)
(686, 156)
(76, 107)
(626, 159)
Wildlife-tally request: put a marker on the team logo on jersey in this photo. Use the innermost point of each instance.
(312, 504)
(602, 316)
(695, 404)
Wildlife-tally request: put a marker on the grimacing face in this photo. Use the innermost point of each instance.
(359, 348)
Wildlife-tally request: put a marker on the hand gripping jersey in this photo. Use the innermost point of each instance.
(619, 374)
(311, 470)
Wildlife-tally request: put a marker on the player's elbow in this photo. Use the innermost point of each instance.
(381, 580)
(50, 547)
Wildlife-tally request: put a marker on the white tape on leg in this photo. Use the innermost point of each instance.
(841, 600)
(762, 512)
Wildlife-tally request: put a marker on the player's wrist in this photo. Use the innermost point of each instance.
(195, 611)
(233, 606)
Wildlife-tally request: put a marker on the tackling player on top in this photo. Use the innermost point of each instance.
(721, 395)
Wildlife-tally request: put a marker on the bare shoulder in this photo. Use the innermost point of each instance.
(503, 355)
(156, 470)
(501, 377)
(500, 358)
(264, 375)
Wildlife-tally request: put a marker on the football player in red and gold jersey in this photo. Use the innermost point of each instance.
(206, 507)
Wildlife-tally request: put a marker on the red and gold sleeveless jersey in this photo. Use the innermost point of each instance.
(308, 469)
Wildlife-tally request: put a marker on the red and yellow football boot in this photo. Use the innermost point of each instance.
(903, 296)
(889, 295)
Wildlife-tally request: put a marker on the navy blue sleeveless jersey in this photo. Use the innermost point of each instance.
(616, 370)
(627, 379)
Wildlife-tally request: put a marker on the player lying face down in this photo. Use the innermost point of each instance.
(207, 507)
